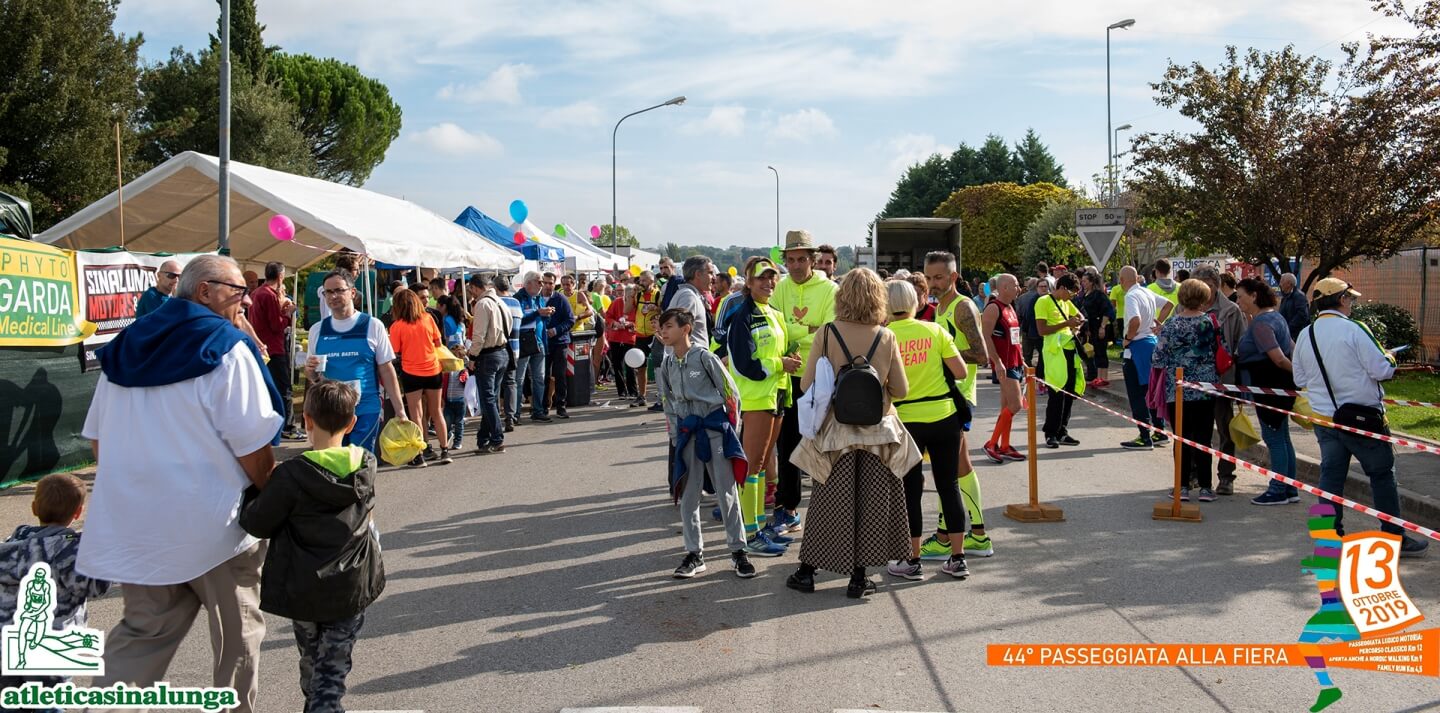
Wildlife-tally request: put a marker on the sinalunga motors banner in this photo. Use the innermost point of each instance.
(56, 308)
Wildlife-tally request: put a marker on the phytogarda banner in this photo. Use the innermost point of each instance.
(39, 297)
(111, 283)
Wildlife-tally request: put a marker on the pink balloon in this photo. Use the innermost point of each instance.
(282, 228)
(594, 232)
(519, 238)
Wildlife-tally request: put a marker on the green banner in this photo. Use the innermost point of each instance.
(39, 298)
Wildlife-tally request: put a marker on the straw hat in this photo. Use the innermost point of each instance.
(799, 240)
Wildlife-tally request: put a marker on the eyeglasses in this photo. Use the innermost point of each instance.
(171, 275)
(335, 292)
(242, 289)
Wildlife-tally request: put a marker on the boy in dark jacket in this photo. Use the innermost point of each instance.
(59, 500)
(323, 566)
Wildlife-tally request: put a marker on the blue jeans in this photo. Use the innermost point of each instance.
(1282, 456)
(1377, 459)
(455, 421)
(1135, 391)
(511, 394)
(490, 371)
(530, 370)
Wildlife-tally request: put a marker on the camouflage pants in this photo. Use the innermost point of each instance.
(325, 661)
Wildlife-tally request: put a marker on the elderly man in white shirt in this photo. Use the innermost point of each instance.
(1337, 361)
(182, 421)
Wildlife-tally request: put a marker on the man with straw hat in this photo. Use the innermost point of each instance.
(806, 300)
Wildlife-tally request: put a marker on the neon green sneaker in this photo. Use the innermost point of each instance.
(934, 549)
(978, 546)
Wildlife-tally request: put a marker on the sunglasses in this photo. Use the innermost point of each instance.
(242, 289)
(171, 275)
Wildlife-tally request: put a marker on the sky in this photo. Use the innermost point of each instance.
(516, 99)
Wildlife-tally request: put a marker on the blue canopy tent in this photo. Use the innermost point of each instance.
(497, 233)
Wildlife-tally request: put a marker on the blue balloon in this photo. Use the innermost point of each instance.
(519, 211)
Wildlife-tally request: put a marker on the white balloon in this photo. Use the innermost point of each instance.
(634, 358)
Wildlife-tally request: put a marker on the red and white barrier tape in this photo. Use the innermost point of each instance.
(1417, 445)
(569, 361)
(1364, 509)
(1265, 390)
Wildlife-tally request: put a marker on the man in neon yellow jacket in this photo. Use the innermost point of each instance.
(1059, 320)
(806, 299)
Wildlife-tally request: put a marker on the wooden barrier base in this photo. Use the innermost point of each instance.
(1040, 512)
(1189, 512)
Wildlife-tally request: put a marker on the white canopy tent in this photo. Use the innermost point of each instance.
(174, 207)
(604, 259)
(644, 258)
(530, 229)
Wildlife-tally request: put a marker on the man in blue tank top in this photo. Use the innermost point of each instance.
(355, 349)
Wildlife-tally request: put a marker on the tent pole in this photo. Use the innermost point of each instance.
(224, 197)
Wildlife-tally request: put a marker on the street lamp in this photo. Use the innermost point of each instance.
(614, 228)
(1109, 147)
(1114, 186)
(777, 205)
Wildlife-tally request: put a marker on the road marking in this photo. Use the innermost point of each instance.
(634, 709)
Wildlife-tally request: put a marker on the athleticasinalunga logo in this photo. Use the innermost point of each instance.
(32, 648)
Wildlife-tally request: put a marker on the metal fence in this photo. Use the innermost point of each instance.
(1410, 280)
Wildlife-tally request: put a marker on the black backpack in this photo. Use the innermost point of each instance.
(859, 398)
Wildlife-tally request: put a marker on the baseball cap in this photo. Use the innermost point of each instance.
(763, 266)
(1331, 286)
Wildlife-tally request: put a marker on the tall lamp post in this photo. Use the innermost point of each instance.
(1109, 146)
(777, 204)
(614, 228)
(1114, 159)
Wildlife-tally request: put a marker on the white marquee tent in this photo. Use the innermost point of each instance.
(174, 207)
(603, 259)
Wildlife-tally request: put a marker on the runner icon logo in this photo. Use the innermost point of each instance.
(32, 648)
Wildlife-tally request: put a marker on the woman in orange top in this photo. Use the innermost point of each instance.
(415, 339)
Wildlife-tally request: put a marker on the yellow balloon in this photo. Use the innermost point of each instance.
(635, 270)
(733, 271)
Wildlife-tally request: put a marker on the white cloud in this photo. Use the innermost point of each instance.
(803, 125)
(503, 85)
(580, 114)
(910, 149)
(722, 120)
(451, 140)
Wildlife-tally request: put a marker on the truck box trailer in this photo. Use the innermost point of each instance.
(897, 243)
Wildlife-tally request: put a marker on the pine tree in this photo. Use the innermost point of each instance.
(1036, 163)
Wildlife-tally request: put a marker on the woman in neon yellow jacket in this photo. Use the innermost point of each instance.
(756, 340)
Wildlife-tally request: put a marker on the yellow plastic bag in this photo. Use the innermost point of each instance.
(401, 441)
(1302, 407)
(448, 360)
(1242, 431)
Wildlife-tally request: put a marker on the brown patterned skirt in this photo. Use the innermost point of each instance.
(857, 517)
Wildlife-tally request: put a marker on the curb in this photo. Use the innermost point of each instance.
(1416, 507)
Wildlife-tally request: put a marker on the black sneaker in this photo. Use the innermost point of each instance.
(444, 458)
(1160, 439)
(418, 462)
(692, 565)
(1066, 440)
(801, 582)
(542, 419)
(1139, 443)
(859, 588)
(1050, 442)
(657, 407)
(509, 426)
(1412, 547)
(741, 562)
(429, 454)
(562, 414)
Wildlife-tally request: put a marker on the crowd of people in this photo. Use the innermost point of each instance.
(765, 376)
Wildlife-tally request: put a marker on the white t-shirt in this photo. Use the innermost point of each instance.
(166, 503)
(1141, 302)
(377, 336)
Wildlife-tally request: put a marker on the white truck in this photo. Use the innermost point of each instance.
(897, 243)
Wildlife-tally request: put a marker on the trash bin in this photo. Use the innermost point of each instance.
(579, 375)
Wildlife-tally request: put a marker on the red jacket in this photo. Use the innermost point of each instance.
(269, 322)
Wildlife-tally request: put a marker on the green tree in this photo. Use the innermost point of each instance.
(672, 251)
(996, 163)
(995, 217)
(348, 119)
(1035, 162)
(247, 41)
(625, 237)
(66, 79)
(1283, 163)
(182, 107)
(923, 186)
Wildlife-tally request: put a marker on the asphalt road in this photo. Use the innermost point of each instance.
(539, 580)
